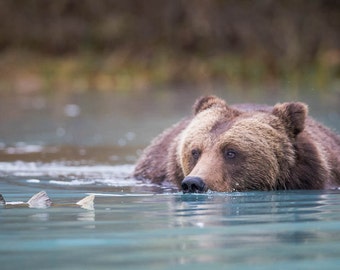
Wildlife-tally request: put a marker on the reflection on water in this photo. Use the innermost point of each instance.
(172, 230)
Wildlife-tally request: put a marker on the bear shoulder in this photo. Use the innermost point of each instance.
(152, 164)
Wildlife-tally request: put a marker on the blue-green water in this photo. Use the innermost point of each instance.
(138, 226)
(75, 144)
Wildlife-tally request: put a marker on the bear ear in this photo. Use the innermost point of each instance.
(207, 102)
(293, 116)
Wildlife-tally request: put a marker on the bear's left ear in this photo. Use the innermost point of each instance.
(293, 116)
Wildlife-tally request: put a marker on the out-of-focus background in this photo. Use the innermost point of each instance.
(112, 74)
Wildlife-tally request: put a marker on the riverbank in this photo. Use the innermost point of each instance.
(126, 71)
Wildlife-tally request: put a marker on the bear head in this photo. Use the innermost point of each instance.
(225, 148)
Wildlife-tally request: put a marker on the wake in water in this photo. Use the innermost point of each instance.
(59, 174)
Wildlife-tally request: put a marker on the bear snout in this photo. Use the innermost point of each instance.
(193, 184)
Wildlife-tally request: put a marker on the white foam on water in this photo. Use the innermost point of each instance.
(71, 183)
(33, 181)
(113, 181)
(122, 195)
(116, 176)
(15, 203)
(22, 148)
(29, 168)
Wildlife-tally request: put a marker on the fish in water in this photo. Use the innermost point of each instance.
(41, 200)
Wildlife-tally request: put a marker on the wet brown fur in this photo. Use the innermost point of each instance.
(276, 147)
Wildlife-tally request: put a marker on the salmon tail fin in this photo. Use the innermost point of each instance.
(2, 200)
(39, 200)
(87, 202)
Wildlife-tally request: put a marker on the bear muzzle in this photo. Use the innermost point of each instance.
(193, 184)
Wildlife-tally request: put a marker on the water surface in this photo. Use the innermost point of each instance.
(80, 144)
(140, 226)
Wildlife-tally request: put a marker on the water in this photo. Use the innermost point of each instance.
(72, 145)
(138, 226)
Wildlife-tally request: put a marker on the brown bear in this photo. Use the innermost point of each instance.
(244, 147)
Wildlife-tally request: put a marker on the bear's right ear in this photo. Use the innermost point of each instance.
(207, 102)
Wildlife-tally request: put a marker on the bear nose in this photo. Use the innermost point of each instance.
(192, 184)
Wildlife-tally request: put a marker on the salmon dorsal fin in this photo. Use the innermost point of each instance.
(39, 200)
(87, 202)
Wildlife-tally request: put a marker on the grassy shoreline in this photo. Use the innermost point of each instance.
(25, 71)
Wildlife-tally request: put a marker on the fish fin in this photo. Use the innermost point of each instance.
(87, 202)
(2, 200)
(39, 200)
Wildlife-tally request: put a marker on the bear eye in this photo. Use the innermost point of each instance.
(229, 154)
(195, 153)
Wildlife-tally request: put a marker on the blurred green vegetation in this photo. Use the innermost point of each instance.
(138, 44)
